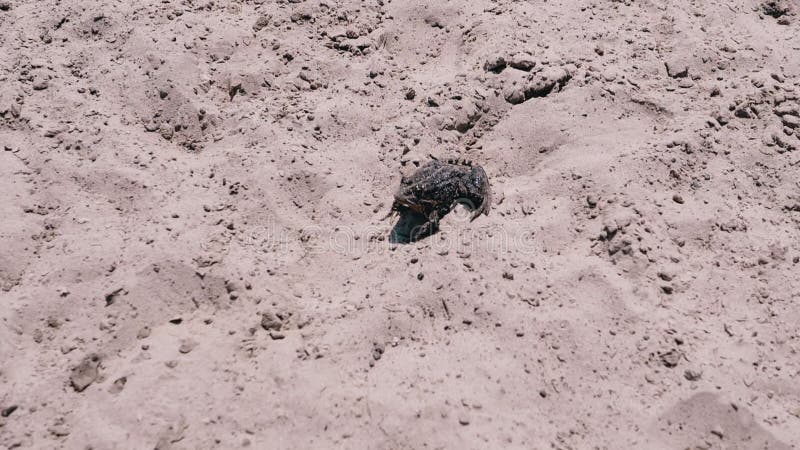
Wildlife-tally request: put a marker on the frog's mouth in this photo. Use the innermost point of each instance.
(423, 207)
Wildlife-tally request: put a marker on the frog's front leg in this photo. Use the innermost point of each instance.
(428, 228)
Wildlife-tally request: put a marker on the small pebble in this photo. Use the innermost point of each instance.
(187, 346)
(5, 412)
(676, 69)
(85, 373)
(143, 333)
(276, 335)
(40, 85)
(270, 322)
(495, 64)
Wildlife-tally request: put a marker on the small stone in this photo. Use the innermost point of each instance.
(677, 69)
(610, 228)
(167, 131)
(420, 276)
(111, 297)
(187, 346)
(591, 200)
(495, 64)
(677, 198)
(722, 117)
(547, 81)
(5, 412)
(599, 50)
(85, 373)
(270, 322)
(40, 85)
(522, 62)
(784, 109)
(377, 351)
(791, 121)
(5, 6)
(118, 385)
(276, 335)
(463, 419)
(143, 332)
(261, 22)
(717, 431)
(686, 83)
(59, 430)
(232, 285)
(515, 95)
(667, 289)
(171, 364)
(411, 94)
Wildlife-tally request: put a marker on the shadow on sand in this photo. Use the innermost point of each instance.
(410, 228)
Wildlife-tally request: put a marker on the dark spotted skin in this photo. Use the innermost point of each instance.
(436, 187)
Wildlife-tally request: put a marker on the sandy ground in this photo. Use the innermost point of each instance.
(192, 250)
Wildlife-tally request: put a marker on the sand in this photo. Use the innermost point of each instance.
(193, 250)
